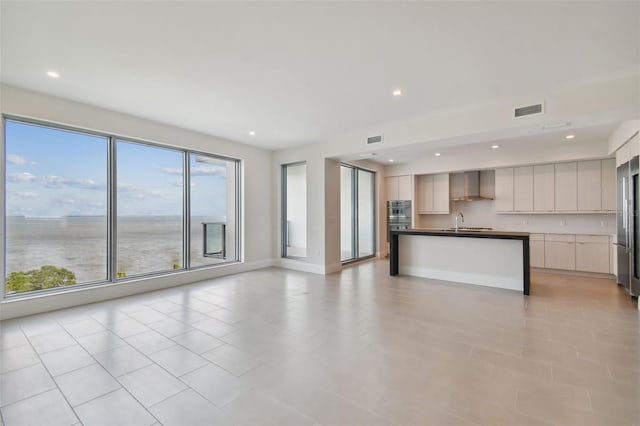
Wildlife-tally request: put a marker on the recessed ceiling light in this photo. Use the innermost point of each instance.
(391, 160)
(252, 133)
(437, 154)
(570, 136)
(53, 74)
(397, 92)
(495, 146)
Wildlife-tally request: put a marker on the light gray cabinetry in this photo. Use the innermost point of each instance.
(590, 185)
(566, 187)
(504, 190)
(523, 189)
(543, 188)
(560, 251)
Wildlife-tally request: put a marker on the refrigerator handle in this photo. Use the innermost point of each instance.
(628, 233)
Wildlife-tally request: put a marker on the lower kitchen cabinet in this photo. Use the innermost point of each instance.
(592, 253)
(560, 251)
(536, 250)
(584, 253)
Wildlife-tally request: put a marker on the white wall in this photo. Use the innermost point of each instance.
(622, 134)
(257, 184)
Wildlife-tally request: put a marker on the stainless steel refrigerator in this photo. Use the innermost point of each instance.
(628, 246)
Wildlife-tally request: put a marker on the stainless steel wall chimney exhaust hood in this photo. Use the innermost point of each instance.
(466, 186)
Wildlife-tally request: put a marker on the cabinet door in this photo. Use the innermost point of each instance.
(425, 193)
(560, 255)
(504, 190)
(590, 185)
(592, 257)
(609, 184)
(536, 252)
(441, 193)
(405, 188)
(543, 188)
(392, 188)
(566, 187)
(523, 189)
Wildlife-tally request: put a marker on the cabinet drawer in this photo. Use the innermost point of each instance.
(600, 239)
(562, 238)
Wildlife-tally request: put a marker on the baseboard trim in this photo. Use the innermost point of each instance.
(573, 273)
(40, 303)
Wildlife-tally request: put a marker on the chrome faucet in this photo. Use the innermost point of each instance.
(461, 217)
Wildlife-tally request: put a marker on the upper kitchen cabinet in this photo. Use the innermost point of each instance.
(609, 184)
(523, 189)
(590, 185)
(543, 188)
(441, 193)
(433, 194)
(392, 188)
(566, 187)
(399, 188)
(504, 190)
(575, 187)
(405, 187)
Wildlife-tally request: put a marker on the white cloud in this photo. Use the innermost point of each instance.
(21, 177)
(198, 171)
(53, 181)
(172, 170)
(130, 191)
(16, 159)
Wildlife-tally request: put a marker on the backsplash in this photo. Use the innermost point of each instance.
(483, 214)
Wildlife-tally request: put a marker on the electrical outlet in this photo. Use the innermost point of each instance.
(563, 222)
(603, 224)
(525, 222)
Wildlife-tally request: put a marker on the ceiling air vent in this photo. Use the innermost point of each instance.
(528, 110)
(374, 139)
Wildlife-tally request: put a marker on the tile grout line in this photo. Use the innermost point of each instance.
(109, 373)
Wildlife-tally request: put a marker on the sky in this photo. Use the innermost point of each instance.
(53, 172)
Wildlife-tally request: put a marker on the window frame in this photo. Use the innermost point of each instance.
(112, 211)
(283, 209)
(355, 218)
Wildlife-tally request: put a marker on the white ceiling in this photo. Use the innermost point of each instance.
(514, 148)
(300, 72)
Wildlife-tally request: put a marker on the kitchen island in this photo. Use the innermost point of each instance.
(489, 258)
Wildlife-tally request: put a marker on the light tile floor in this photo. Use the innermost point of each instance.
(356, 348)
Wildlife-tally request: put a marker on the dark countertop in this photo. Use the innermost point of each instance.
(464, 233)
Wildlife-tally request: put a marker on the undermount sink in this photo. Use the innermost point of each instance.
(467, 229)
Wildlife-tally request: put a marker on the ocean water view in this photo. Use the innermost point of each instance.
(79, 243)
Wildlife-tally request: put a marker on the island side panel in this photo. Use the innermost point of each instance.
(480, 261)
(393, 255)
(526, 272)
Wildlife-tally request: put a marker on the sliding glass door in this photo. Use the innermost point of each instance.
(357, 213)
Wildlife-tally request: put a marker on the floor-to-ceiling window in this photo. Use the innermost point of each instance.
(83, 208)
(150, 209)
(294, 210)
(213, 208)
(357, 213)
(56, 209)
